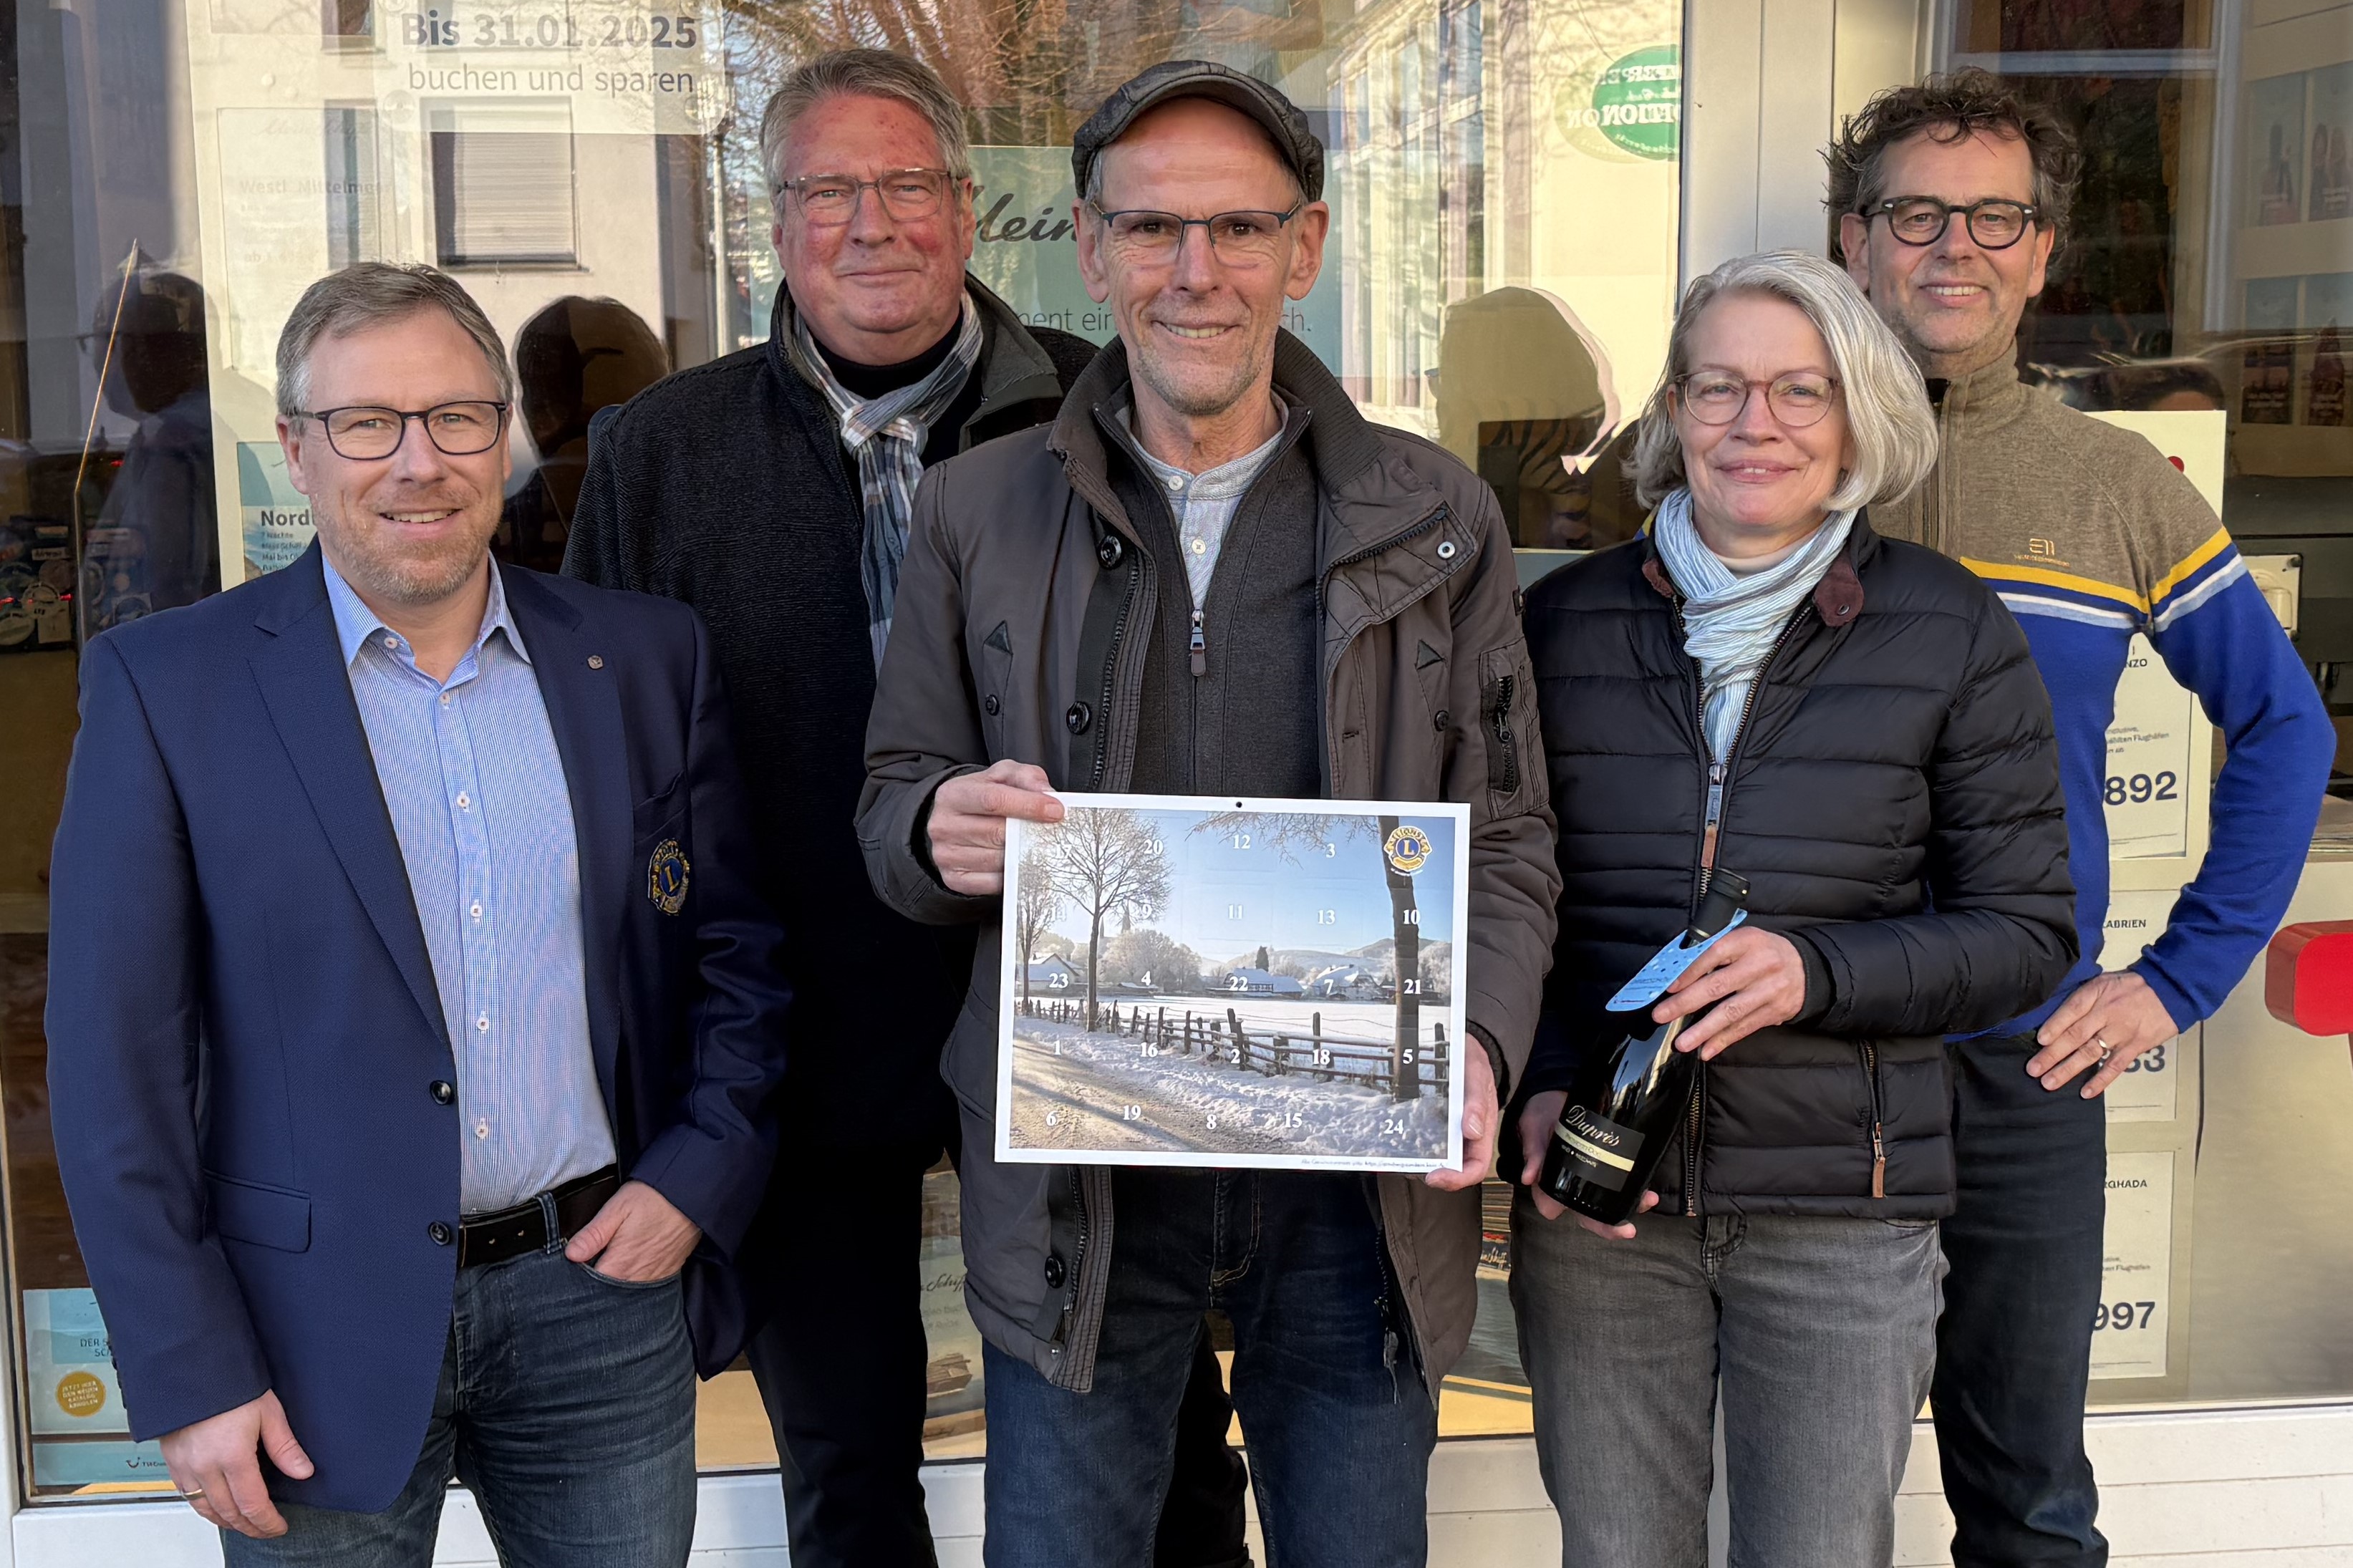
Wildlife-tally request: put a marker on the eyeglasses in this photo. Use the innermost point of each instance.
(1236, 238)
(1797, 400)
(829, 201)
(366, 433)
(1994, 224)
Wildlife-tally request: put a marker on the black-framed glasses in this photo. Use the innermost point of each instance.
(830, 201)
(1996, 224)
(1236, 238)
(1717, 398)
(366, 432)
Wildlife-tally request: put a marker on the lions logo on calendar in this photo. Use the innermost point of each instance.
(666, 877)
(1407, 849)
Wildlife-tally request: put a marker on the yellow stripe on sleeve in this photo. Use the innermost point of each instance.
(2004, 571)
(2191, 565)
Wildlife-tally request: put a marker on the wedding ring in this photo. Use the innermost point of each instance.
(2106, 1050)
(192, 1493)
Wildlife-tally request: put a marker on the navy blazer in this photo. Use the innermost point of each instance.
(244, 1028)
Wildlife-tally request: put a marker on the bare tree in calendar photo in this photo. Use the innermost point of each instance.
(1233, 982)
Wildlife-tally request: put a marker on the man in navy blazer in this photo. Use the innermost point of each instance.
(413, 1024)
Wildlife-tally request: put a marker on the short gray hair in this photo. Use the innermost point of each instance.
(1887, 412)
(863, 73)
(369, 294)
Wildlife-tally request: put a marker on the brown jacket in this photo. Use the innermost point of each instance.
(1427, 696)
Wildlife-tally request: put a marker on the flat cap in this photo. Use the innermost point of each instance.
(1293, 137)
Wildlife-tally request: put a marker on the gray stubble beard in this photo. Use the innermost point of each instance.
(397, 578)
(1193, 405)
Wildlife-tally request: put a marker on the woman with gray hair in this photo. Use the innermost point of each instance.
(1762, 693)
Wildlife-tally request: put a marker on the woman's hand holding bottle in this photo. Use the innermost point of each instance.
(1538, 1119)
(1750, 980)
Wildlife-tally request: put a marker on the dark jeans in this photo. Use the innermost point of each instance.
(841, 1363)
(566, 1404)
(2014, 1346)
(1339, 1421)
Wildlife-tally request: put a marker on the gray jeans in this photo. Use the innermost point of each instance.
(1823, 1332)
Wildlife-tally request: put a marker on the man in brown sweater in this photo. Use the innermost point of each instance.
(1952, 196)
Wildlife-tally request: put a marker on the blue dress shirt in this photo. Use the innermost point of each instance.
(480, 804)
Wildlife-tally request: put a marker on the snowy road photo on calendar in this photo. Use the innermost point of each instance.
(1227, 982)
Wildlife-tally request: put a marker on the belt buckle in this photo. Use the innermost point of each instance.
(495, 1238)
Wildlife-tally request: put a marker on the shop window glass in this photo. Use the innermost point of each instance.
(1504, 184)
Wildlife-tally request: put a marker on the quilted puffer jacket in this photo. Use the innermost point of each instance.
(1891, 797)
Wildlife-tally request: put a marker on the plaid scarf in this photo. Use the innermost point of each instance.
(888, 437)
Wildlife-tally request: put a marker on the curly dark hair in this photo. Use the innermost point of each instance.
(1949, 108)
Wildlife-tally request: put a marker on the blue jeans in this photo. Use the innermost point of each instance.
(567, 1406)
(1818, 1330)
(1339, 1424)
(2014, 1348)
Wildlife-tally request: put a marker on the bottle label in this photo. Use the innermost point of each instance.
(1665, 967)
(1602, 1152)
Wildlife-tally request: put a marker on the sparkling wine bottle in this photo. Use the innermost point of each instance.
(1625, 1106)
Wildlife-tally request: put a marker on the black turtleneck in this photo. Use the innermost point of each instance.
(713, 487)
(872, 381)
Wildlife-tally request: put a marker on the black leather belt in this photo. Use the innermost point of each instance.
(510, 1233)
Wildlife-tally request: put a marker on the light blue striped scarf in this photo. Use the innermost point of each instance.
(1730, 622)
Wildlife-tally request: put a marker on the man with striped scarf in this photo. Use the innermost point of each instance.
(771, 490)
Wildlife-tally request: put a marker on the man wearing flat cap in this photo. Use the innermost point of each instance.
(1209, 575)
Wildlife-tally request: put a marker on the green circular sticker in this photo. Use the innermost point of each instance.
(1638, 102)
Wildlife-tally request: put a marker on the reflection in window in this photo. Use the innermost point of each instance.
(2329, 189)
(2038, 26)
(573, 360)
(347, 22)
(155, 541)
(1474, 145)
(1461, 97)
(502, 187)
(351, 188)
(2267, 390)
(2276, 149)
(1522, 384)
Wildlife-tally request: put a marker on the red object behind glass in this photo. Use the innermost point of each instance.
(2309, 977)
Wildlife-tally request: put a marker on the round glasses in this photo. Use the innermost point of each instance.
(829, 201)
(1995, 224)
(1237, 238)
(364, 432)
(1797, 400)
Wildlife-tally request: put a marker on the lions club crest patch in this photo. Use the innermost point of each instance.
(666, 877)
